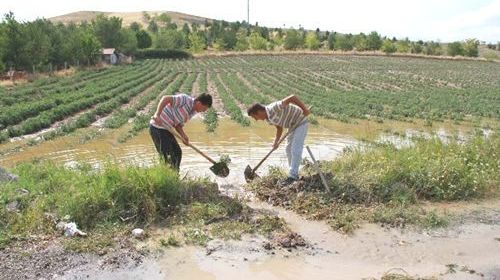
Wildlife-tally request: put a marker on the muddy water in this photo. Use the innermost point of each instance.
(370, 252)
(244, 145)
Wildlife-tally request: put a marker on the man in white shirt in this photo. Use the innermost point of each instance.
(285, 114)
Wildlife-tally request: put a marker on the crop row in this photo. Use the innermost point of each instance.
(117, 92)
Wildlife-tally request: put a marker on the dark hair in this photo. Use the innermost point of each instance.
(205, 99)
(255, 108)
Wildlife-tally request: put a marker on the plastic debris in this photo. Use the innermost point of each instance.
(70, 229)
(138, 233)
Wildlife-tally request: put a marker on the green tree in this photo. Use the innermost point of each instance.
(312, 41)
(153, 26)
(38, 43)
(90, 46)
(277, 39)
(432, 48)
(196, 42)
(185, 29)
(454, 49)
(403, 46)
(195, 27)
(241, 41)
(146, 16)
(135, 26)
(226, 40)
(57, 34)
(471, 47)
(143, 39)
(293, 40)
(107, 30)
(388, 47)
(129, 41)
(360, 42)
(331, 40)
(170, 39)
(257, 42)
(344, 42)
(373, 41)
(14, 43)
(416, 48)
(164, 18)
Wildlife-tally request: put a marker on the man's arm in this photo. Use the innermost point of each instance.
(165, 100)
(296, 101)
(185, 138)
(279, 132)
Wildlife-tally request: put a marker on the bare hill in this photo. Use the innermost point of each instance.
(129, 17)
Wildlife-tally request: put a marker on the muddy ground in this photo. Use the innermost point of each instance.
(469, 248)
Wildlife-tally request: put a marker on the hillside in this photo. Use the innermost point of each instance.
(129, 17)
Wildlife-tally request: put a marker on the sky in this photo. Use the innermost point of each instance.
(439, 20)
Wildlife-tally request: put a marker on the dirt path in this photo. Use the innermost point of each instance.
(195, 90)
(217, 101)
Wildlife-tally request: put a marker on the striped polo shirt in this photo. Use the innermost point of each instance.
(284, 116)
(177, 113)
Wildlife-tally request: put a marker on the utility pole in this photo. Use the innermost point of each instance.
(248, 12)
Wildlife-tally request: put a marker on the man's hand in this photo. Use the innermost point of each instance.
(182, 134)
(156, 119)
(306, 112)
(185, 140)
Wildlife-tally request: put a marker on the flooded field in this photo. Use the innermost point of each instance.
(244, 145)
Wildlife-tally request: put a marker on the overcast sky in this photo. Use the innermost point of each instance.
(444, 20)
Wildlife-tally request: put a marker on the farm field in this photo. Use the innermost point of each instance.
(338, 87)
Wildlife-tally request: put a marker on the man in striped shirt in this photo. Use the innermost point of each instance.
(172, 113)
(286, 113)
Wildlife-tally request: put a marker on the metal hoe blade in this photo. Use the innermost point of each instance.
(220, 169)
(249, 174)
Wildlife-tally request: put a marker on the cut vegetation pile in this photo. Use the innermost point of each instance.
(385, 185)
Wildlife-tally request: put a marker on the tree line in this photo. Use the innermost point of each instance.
(42, 44)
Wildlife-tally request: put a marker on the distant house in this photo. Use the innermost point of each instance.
(110, 56)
